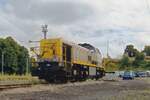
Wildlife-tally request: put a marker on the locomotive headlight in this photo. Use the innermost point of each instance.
(48, 65)
(40, 60)
(61, 64)
(39, 68)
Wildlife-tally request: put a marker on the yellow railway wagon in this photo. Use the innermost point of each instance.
(63, 60)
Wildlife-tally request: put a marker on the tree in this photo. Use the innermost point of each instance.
(139, 59)
(15, 56)
(23, 56)
(125, 62)
(147, 65)
(130, 51)
(139, 56)
(147, 50)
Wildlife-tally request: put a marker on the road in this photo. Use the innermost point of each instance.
(138, 89)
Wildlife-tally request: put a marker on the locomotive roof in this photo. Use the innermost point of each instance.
(74, 44)
(88, 46)
(84, 46)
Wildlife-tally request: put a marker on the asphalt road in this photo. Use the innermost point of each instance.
(138, 89)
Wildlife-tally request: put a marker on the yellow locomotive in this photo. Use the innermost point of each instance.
(63, 60)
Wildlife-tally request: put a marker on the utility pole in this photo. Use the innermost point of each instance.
(2, 70)
(45, 30)
(107, 48)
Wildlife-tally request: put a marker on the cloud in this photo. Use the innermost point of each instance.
(93, 21)
(54, 12)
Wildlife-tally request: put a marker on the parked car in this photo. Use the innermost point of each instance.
(142, 74)
(128, 75)
(121, 73)
(136, 74)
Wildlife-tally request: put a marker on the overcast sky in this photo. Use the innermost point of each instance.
(93, 21)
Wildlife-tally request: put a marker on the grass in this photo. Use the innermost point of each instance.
(17, 79)
(116, 68)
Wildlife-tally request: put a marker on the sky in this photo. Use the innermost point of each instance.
(120, 22)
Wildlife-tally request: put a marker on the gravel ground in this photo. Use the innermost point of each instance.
(138, 89)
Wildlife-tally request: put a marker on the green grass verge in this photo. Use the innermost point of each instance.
(17, 79)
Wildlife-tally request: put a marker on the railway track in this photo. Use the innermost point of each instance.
(12, 86)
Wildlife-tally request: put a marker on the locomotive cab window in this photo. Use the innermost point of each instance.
(66, 53)
(89, 58)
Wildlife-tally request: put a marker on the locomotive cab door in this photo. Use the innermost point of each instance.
(67, 55)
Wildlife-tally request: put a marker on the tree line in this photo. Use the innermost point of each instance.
(133, 58)
(13, 56)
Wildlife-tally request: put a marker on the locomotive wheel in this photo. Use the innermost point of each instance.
(61, 76)
(49, 80)
(83, 76)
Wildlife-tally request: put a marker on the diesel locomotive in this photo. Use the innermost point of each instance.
(61, 60)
